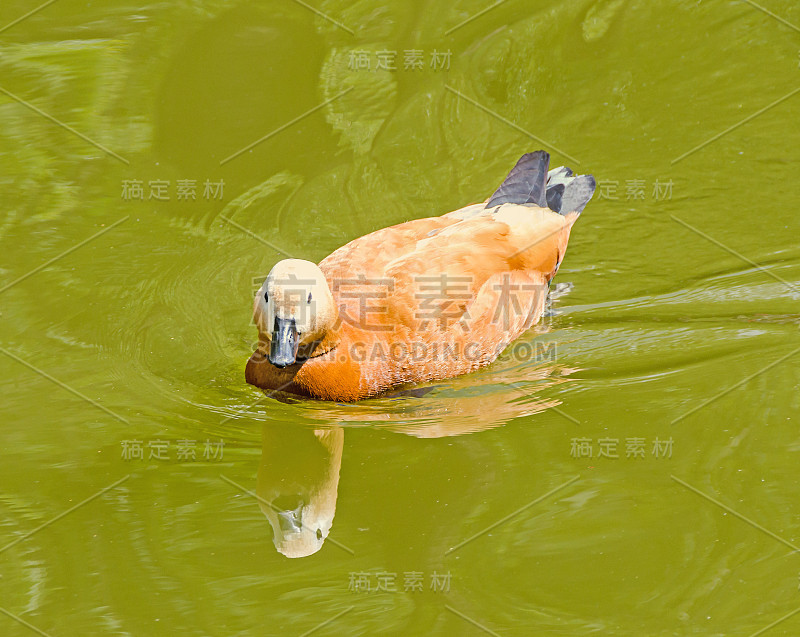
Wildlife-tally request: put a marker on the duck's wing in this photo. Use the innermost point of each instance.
(518, 237)
(466, 268)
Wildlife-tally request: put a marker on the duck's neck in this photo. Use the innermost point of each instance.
(326, 343)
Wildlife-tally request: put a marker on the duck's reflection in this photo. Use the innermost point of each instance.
(298, 480)
(298, 477)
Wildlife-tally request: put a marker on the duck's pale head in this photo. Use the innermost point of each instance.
(295, 312)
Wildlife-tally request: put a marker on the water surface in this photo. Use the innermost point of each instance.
(125, 321)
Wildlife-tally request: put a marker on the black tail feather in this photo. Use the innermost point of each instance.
(561, 190)
(526, 183)
(554, 196)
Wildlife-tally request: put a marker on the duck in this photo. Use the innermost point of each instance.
(420, 301)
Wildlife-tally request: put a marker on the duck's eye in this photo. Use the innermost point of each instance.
(266, 297)
(309, 298)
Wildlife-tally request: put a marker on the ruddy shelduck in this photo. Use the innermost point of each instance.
(419, 301)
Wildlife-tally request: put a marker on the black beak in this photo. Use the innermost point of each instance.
(283, 348)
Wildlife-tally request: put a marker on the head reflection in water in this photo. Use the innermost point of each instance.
(299, 477)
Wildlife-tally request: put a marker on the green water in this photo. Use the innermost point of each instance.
(137, 338)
